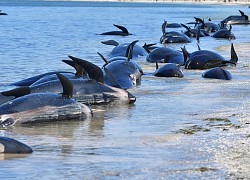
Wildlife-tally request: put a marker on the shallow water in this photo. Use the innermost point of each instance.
(167, 134)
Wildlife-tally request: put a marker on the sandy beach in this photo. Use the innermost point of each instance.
(229, 2)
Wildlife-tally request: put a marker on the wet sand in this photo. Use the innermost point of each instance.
(234, 150)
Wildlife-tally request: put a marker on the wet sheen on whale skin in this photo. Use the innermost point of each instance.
(236, 19)
(41, 107)
(217, 73)
(206, 59)
(169, 70)
(12, 146)
(121, 49)
(44, 107)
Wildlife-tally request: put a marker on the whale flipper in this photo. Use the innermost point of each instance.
(17, 92)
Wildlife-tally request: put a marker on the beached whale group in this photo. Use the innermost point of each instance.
(61, 95)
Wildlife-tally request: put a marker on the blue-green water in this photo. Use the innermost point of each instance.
(143, 141)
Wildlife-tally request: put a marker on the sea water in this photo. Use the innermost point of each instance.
(172, 130)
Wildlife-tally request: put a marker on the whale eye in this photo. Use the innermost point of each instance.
(7, 122)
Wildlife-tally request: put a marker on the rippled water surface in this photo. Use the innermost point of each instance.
(167, 134)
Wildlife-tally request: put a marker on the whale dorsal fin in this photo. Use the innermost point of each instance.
(186, 27)
(110, 42)
(198, 35)
(185, 54)
(147, 46)
(17, 92)
(94, 72)
(199, 20)
(156, 65)
(163, 27)
(199, 48)
(103, 58)
(67, 86)
(242, 13)
(112, 80)
(234, 57)
(121, 28)
(79, 69)
(129, 52)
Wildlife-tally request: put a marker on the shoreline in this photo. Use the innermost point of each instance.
(226, 2)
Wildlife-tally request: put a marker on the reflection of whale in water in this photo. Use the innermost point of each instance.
(12, 146)
(44, 107)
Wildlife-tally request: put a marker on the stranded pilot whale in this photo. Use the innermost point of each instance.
(12, 146)
(2, 13)
(205, 59)
(168, 70)
(123, 32)
(173, 36)
(236, 19)
(121, 49)
(80, 72)
(122, 71)
(44, 107)
(217, 73)
(91, 90)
